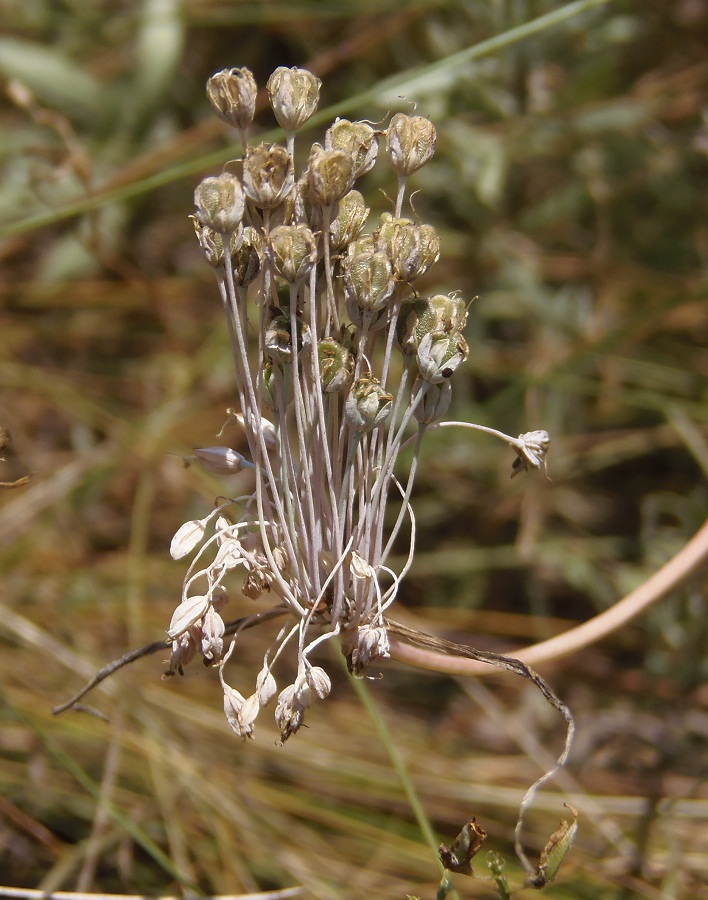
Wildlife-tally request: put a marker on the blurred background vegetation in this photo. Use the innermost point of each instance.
(569, 189)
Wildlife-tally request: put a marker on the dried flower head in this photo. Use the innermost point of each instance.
(338, 362)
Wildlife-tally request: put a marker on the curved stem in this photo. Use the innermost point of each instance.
(689, 558)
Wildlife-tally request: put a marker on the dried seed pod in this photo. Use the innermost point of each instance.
(413, 250)
(220, 202)
(415, 320)
(439, 354)
(336, 366)
(232, 94)
(356, 138)
(267, 175)
(368, 279)
(352, 213)
(330, 175)
(292, 250)
(294, 95)
(278, 342)
(246, 258)
(410, 143)
(451, 312)
(434, 403)
(367, 404)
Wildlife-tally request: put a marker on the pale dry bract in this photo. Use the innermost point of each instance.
(340, 361)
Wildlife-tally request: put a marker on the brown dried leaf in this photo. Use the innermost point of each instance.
(465, 846)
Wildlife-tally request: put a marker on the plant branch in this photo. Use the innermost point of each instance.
(133, 655)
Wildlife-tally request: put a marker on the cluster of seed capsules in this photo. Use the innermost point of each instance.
(339, 361)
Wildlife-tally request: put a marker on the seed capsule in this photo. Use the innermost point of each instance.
(294, 95)
(267, 175)
(232, 94)
(220, 202)
(410, 143)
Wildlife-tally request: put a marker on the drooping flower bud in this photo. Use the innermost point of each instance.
(212, 636)
(289, 712)
(356, 138)
(232, 94)
(367, 404)
(294, 95)
(439, 354)
(265, 686)
(220, 202)
(318, 681)
(330, 175)
(531, 451)
(410, 143)
(240, 712)
(292, 250)
(368, 279)
(336, 366)
(222, 460)
(187, 537)
(267, 175)
(434, 403)
(187, 613)
(364, 645)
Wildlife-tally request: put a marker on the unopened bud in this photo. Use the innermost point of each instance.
(330, 175)
(267, 175)
(292, 250)
(222, 460)
(336, 366)
(318, 681)
(367, 404)
(186, 614)
(187, 537)
(220, 202)
(232, 94)
(294, 95)
(410, 143)
(439, 354)
(358, 139)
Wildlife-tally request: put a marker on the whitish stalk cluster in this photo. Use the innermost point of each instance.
(339, 362)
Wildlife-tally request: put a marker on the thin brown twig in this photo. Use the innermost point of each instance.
(133, 655)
